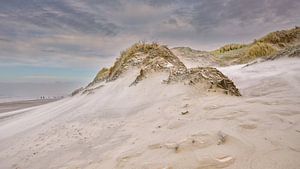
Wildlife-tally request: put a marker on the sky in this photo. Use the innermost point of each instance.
(68, 41)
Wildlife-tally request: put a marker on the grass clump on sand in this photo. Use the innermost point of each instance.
(128, 54)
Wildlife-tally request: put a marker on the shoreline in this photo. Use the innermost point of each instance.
(22, 104)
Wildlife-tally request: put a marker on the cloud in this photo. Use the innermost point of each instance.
(53, 17)
(91, 33)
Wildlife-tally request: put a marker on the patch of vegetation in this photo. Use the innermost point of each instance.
(230, 57)
(102, 75)
(260, 49)
(155, 54)
(75, 92)
(230, 47)
(282, 38)
(128, 54)
(257, 50)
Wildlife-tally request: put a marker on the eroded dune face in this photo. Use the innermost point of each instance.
(114, 124)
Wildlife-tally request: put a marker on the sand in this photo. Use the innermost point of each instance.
(116, 126)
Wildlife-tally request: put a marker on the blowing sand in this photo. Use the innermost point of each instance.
(116, 126)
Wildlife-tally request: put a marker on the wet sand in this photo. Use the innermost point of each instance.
(16, 105)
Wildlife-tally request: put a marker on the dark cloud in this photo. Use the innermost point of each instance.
(46, 30)
(209, 14)
(160, 2)
(171, 21)
(5, 40)
(52, 16)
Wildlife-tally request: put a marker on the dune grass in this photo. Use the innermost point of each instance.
(260, 49)
(256, 50)
(263, 47)
(281, 38)
(230, 47)
(128, 54)
(226, 55)
(154, 49)
(102, 75)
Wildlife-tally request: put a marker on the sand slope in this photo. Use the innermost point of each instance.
(117, 126)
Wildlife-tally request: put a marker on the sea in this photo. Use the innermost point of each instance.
(31, 91)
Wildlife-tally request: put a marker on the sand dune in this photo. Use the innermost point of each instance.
(116, 126)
